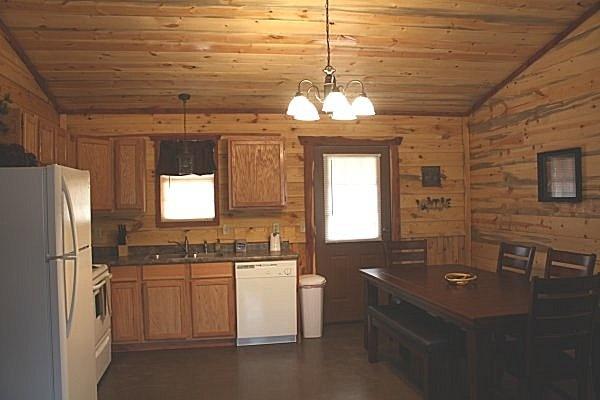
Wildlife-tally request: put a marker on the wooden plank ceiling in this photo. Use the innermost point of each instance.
(415, 56)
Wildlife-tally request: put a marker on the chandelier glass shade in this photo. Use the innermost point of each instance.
(334, 100)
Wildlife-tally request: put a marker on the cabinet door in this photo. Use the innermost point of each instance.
(213, 308)
(96, 156)
(256, 174)
(30, 133)
(126, 312)
(61, 147)
(46, 136)
(130, 174)
(166, 311)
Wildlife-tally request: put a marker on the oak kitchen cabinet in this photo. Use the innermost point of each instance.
(117, 172)
(212, 300)
(95, 155)
(178, 304)
(126, 305)
(166, 304)
(46, 142)
(61, 147)
(256, 174)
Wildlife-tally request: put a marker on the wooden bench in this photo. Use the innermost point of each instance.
(425, 336)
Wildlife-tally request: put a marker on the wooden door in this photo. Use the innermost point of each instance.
(126, 312)
(213, 307)
(130, 174)
(46, 138)
(30, 133)
(96, 156)
(166, 311)
(352, 185)
(61, 147)
(256, 174)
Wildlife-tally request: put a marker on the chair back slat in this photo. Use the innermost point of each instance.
(516, 258)
(562, 313)
(564, 264)
(406, 253)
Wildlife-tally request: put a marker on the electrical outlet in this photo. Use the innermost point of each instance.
(276, 227)
(226, 229)
(302, 227)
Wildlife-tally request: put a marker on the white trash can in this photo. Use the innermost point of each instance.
(311, 298)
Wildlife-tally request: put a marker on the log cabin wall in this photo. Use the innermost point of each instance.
(17, 80)
(427, 141)
(552, 105)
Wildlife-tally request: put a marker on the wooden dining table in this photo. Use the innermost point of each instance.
(480, 308)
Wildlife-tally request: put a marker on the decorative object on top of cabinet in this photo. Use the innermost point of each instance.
(130, 171)
(46, 142)
(434, 204)
(96, 156)
(256, 174)
(559, 176)
(431, 176)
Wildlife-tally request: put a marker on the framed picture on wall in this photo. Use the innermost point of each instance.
(559, 176)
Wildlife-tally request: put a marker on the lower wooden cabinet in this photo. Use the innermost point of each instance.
(172, 304)
(213, 307)
(126, 312)
(166, 310)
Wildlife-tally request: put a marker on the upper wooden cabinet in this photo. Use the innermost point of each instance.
(96, 155)
(61, 147)
(130, 174)
(46, 142)
(256, 174)
(117, 172)
(30, 139)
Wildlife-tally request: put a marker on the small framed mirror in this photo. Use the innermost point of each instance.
(559, 176)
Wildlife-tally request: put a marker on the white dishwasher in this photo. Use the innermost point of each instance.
(266, 302)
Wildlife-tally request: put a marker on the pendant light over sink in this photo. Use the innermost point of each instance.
(334, 100)
(183, 155)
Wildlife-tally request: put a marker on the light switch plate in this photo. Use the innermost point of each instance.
(276, 227)
(226, 229)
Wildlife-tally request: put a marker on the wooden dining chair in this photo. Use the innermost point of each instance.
(405, 253)
(558, 342)
(516, 258)
(563, 264)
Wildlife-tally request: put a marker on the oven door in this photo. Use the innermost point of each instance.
(102, 307)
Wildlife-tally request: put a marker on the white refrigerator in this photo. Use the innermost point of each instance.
(46, 297)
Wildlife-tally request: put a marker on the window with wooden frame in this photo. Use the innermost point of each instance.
(187, 200)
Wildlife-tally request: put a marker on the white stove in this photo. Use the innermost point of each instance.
(101, 284)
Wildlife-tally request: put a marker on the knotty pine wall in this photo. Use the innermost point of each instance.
(552, 105)
(24, 91)
(427, 141)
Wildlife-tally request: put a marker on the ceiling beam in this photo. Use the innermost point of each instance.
(12, 41)
(536, 56)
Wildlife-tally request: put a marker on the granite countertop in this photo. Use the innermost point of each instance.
(250, 255)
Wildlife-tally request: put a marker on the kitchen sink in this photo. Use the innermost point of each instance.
(178, 257)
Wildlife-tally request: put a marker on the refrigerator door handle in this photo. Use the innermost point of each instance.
(74, 255)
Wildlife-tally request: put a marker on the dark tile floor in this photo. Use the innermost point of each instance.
(334, 367)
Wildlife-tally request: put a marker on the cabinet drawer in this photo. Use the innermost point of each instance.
(124, 274)
(212, 270)
(161, 272)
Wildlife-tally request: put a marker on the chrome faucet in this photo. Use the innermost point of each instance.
(185, 245)
(205, 247)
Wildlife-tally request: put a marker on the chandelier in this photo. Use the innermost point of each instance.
(334, 98)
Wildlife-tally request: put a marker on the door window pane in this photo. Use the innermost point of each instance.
(352, 197)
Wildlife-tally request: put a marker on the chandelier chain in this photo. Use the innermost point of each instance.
(327, 32)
